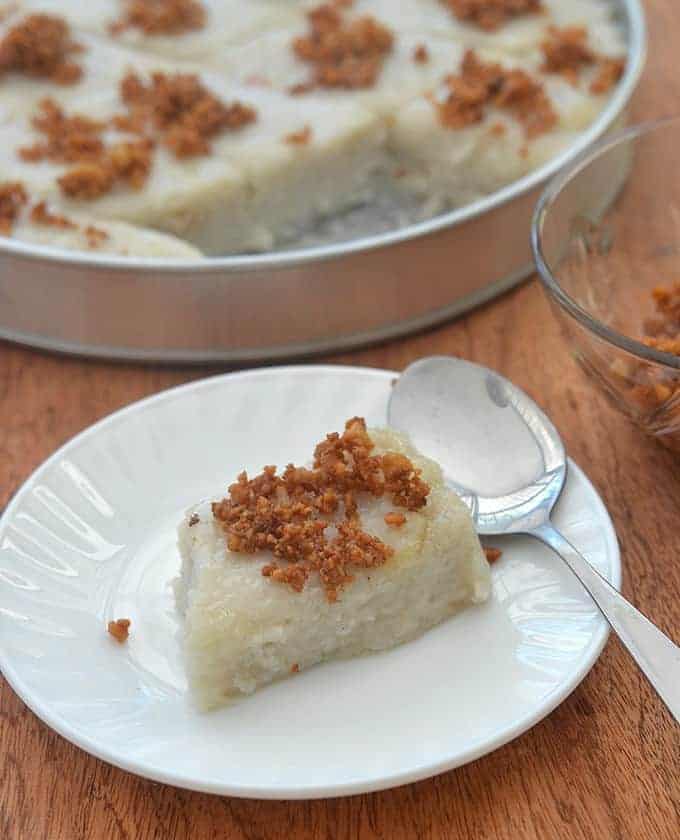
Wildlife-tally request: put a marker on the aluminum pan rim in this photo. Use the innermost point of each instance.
(635, 20)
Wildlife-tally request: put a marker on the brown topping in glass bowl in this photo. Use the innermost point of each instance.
(491, 14)
(120, 629)
(41, 46)
(342, 54)
(479, 85)
(308, 518)
(13, 197)
(161, 17)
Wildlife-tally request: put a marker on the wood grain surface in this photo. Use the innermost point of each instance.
(605, 764)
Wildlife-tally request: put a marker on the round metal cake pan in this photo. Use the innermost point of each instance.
(294, 303)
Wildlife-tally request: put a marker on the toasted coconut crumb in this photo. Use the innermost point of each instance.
(41, 215)
(40, 46)
(194, 519)
(421, 54)
(182, 110)
(95, 236)
(131, 161)
(480, 85)
(342, 54)
(13, 197)
(654, 391)
(87, 181)
(288, 514)
(67, 139)
(395, 520)
(566, 52)
(120, 629)
(299, 138)
(492, 554)
(294, 668)
(161, 17)
(492, 14)
(609, 72)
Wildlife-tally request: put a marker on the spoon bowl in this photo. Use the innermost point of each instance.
(506, 460)
(498, 450)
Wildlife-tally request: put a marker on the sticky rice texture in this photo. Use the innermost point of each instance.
(242, 630)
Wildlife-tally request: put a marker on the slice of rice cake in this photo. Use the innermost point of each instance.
(248, 617)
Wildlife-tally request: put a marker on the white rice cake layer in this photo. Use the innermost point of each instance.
(251, 192)
(227, 22)
(122, 239)
(452, 167)
(243, 630)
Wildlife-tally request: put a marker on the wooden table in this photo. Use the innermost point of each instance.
(605, 764)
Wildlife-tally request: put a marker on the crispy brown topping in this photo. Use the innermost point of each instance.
(182, 110)
(294, 668)
(67, 139)
(609, 72)
(13, 197)
(567, 53)
(342, 54)
(480, 85)
(95, 236)
(131, 161)
(308, 518)
(653, 390)
(491, 14)
(395, 520)
(41, 215)
(41, 46)
(87, 181)
(421, 54)
(299, 138)
(120, 629)
(492, 554)
(161, 17)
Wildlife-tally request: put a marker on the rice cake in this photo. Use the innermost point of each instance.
(242, 630)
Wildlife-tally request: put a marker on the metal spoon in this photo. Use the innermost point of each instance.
(507, 462)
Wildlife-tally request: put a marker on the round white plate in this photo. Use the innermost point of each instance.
(91, 536)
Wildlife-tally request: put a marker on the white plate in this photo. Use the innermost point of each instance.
(90, 536)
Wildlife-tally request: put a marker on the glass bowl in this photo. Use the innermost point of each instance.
(606, 241)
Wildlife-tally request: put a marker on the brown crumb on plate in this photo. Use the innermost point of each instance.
(492, 554)
(119, 629)
(395, 520)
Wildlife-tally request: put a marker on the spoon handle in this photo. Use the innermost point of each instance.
(655, 653)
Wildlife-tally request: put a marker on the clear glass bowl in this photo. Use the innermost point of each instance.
(606, 233)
